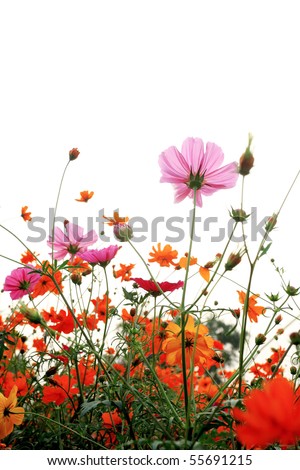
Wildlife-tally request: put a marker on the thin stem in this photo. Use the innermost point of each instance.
(187, 398)
(55, 209)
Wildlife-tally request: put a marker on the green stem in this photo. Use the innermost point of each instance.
(55, 209)
(187, 398)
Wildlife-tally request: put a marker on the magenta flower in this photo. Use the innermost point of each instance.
(152, 288)
(102, 257)
(21, 281)
(193, 168)
(72, 242)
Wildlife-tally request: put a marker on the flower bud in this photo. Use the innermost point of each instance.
(290, 290)
(76, 278)
(51, 371)
(123, 232)
(295, 338)
(236, 313)
(31, 314)
(280, 331)
(293, 370)
(73, 154)
(246, 160)
(233, 260)
(260, 339)
(271, 222)
(278, 319)
(239, 215)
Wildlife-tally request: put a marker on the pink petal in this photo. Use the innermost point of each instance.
(173, 166)
(193, 152)
(222, 178)
(181, 192)
(213, 158)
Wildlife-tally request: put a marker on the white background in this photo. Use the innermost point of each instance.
(124, 80)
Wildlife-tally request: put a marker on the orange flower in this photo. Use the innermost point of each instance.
(85, 196)
(125, 272)
(266, 369)
(271, 416)
(183, 261)
(204, 272)
(164, 257)
(10, 414)
(253, 310)
(25, 215)
(46, 284)
(115, 220)
(102, 307)
(28, 257)
(197, 344)
(77, 265)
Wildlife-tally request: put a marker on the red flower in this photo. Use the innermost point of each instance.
(28, 257)
(151, 287)
(63, 321)
(61, 388)
(271, 416)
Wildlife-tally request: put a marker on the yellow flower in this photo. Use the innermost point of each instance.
(10, 414)
(198, 345)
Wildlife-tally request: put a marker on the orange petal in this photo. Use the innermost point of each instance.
(204, 272)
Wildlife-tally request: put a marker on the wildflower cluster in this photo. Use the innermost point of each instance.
(94, 354)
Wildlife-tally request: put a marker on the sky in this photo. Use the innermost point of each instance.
(123, 81)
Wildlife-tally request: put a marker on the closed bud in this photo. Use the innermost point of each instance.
(246, 160)
(76, 278)
(236, 313)
(87, 272)
(271, 222)
(123, 232)
(278, 319)
(51, 371)
(295, 338)
(73, 154)
(233, 260)
(280, 331)
(260, 339)
(293, 370)
(31, 314)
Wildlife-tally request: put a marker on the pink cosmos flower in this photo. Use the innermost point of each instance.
(102, 257)
(72, 242)
(151, 287)
(21, 281)
(196, 168)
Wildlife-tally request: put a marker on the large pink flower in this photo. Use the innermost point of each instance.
(72, 242)
(21, 281)
(102, 257)
(194, 168)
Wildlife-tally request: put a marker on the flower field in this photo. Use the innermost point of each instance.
(159, 365)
